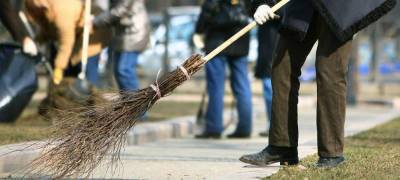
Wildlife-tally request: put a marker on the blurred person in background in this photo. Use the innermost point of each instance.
(332, 23)
(131, 36)
(62, 22)
(9, 17)
(219, 20)
(267, 38)
(59, 26)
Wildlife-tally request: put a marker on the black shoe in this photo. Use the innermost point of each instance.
(239, 135)
(272, 154)
(329, 162)
(206, 135)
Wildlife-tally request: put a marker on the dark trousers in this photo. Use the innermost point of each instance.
(331, 66)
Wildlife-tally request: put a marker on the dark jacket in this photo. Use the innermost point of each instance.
(11, 20)
(267, 39)
(131, 24)
(344, 17)
(218, 29)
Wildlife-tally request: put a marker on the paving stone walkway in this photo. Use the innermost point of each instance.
(188, 158)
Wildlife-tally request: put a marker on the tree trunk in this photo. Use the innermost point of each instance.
(353, 75)
(375, 43)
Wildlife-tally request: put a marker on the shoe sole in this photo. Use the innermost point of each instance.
(289, 162)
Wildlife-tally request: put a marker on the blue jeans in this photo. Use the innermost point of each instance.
(215, 74)
(92, 70)
(267, 88)
(125, 70)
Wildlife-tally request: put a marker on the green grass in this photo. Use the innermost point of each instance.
(373, 154)
(28, 127)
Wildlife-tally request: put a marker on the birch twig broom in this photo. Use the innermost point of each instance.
(84, 136)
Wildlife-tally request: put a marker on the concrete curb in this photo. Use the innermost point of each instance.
(157, 131)
(310, 101)
(17, 156)
(393, 103)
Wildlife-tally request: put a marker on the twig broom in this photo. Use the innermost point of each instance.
(84, 136)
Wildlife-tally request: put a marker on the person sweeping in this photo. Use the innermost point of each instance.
(332, 23)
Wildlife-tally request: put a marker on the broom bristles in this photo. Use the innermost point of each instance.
(84, 136)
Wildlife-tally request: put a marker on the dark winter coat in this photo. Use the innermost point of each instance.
(131, 24)
(11, 20)
(217, 30)
(267, 39)
(344, 17)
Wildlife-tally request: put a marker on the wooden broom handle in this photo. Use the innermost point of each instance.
(239, 34)
(86, 33)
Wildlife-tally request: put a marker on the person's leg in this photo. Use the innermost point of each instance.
(125, 70)
(286, 70)
(267, 93)
(92, 70)
(106, 70)
(331, 66)
(267, 40)
(283, 133)
(241, 89)
(215, 74)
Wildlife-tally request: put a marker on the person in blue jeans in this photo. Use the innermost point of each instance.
(125, 70)
(218, 21)
(267, 38)
(131, 36)
(92, 70)
(239, 81)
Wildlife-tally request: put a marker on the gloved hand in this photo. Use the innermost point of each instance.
(58, 76)
(29, 47)
(263, 14)
(198, 40)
